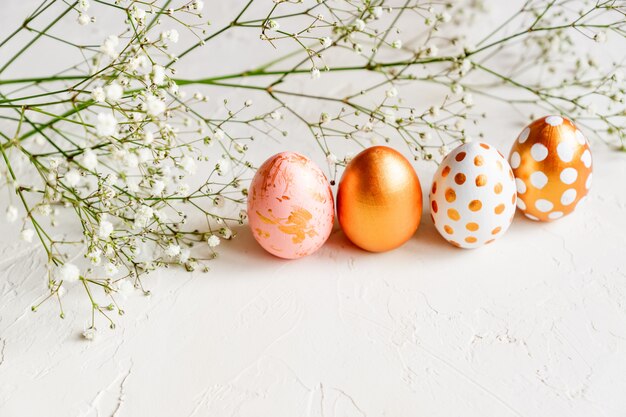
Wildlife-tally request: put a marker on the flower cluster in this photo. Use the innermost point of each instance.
(116, 167)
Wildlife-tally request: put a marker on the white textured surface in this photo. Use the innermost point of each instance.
(533, 325)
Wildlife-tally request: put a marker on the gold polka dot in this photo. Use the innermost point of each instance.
(445, 172)
(481, 180)
(459, 178)
(472, 226)
(433, 204)
(448, 229)
(450, 195)
(453, 214)
(499, 208)
(497, 188)
(496, 230)
(434, 189)
(471, 239)
(479, 160)
(460, 156)
(484, 145)
(475, 205)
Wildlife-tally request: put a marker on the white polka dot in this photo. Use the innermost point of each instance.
(569, 175)
(565, 151)
(543, 206)
(515, 160)
(521, 204)
(568, 197)
(538, 179)
(539, 152)
(554, 120)
(555, 215)
(588, 182)
(531, 217)
(580, 138)
(521, 187)
(524, 135)
(586, 158)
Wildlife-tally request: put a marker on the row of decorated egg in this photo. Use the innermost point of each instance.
(473, 195)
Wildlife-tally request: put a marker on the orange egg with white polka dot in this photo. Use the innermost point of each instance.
(551, 161)
(472, 199)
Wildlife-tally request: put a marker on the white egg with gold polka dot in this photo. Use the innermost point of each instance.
(551, 161)
(473, 195)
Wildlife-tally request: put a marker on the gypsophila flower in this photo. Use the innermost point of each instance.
(444, 150)
(98, 95)
(154, 105)
(110, 269)
(94, 256)
(170, 35)
(148, 137)
(326, 42)
(72, 178)
(124, 287)
(397, 44)
(90, 334)
(377, 12)
(67, 273)
(83, 5)
(143, 215)
(83, 19)
(273, 25)
(89, 160)
(172, 250)
(213, 241)
(392, 92)
(184, 256)
(158, 74)
(188, 164)
(27, 235)
(109, 46)
(11, 214)
(157, 187)
(359, 25)
(315, 73)
(105, 229)
(137, 13)
(106, 125)
(114, 91)
(61, 290)
(331, 158)
(197, 5)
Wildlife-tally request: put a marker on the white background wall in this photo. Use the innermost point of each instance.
(533, 325)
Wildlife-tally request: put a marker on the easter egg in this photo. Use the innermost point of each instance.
(472, 198)
(379, 200)
(290, 206)
(551, 161)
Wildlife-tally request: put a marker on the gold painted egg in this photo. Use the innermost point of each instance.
(472, 198)
(551, 161)
(379, 200)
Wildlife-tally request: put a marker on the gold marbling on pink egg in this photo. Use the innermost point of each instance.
(290, 206)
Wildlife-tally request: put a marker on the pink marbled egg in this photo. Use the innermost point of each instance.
(290, 206)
